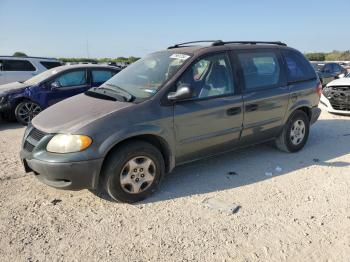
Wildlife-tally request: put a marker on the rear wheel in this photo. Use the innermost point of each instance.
(295, 133)
(133, 172)
(26, 111)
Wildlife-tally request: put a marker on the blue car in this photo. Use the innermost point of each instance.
(24, 100)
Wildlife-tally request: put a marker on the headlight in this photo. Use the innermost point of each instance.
(68, 143)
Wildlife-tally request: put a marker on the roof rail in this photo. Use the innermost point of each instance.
(194, 42)
(24, 57)
(249, 43)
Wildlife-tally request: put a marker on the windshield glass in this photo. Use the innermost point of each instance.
(41, 77)
(143, 78)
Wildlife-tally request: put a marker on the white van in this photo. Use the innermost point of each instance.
(18, 69)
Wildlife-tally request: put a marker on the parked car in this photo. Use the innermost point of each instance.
(13, 69)
(24, 100)
(170, 108)
(330, 71)
(335, 96)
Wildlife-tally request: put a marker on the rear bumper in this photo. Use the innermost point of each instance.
(72, 176)
(315, 114)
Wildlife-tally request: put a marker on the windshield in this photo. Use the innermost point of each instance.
(40, 77)
(143, 78)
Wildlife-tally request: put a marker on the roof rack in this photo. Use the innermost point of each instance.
(220, 42)
(193, 42)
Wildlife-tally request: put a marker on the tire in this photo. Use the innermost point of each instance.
(125, 172)
(293, 139)
(25, 111)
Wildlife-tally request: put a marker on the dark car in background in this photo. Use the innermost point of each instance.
(329, 71)
(172, 107)
(24, 100)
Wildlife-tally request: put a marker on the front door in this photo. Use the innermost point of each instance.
(265, 94)
(211, 121)
(67, 84)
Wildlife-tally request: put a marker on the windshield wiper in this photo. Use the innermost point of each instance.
(106, 93)
(130, 97)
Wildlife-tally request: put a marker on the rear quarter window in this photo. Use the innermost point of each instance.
(298, 67)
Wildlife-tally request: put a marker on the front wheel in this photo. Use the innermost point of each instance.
(295, 133)
(26, 111)
(133, 172)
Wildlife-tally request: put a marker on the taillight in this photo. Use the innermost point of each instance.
(319, 89)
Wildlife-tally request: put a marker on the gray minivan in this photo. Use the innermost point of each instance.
(172, 107)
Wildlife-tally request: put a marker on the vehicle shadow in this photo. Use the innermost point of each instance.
(5, 125)
(329, 139)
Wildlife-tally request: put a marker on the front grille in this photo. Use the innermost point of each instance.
(36, 134)
(338, 96)
(33, 139)
(28, 147)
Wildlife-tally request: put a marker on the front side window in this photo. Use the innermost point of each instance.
(101, 76)
(209, 77)
(146, 76)
(260, 69)
(75, 78)
(298, 68)
(17, 65)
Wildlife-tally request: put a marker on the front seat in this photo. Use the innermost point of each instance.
(217, 82)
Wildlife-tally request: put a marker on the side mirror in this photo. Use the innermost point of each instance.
(341, 76)
(55, 85)
(183, 92)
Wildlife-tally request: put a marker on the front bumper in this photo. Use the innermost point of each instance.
(326, 105)
(72, 171)
(72, 176)
(5, 107)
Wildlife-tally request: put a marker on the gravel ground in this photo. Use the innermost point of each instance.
(255, 204)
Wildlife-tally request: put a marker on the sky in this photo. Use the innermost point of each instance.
(107, 28)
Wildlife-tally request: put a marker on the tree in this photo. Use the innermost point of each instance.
(19, 54)
(316, 56)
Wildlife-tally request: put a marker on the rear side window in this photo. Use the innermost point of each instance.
(298, 68)
(75, 78)
(17, 65)
(260, 69)
(49, 65)
(101, 76)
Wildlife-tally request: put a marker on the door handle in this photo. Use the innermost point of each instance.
(251, 107)
(294, 97)
(234, 111)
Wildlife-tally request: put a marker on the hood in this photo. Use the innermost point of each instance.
(70, 115)
(340, 82)
(11, 87)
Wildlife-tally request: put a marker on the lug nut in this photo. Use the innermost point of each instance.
(141, 169)
(132, 176)
(142, 175)
(135, 170)
(137, 179)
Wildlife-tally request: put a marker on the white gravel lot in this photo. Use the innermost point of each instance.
(297, 212)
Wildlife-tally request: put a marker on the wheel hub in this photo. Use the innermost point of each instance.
(137, 174)
(297, 132)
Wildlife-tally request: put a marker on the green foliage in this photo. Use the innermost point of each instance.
(19, 54)
(316, 56)
(332, 56)
(127, 60)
